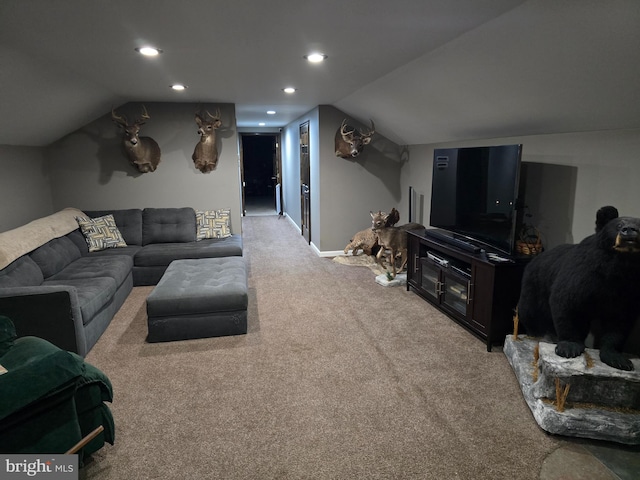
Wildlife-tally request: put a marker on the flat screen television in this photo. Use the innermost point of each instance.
(474, 194)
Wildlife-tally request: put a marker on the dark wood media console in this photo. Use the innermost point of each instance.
(478, 292)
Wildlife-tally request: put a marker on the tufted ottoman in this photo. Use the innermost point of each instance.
(198, 298)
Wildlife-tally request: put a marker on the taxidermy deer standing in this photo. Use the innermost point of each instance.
(349, 142)
(205, 155)
(393, 239)
(142, 152)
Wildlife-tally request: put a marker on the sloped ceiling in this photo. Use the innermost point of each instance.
(424, 70)
(543, 67)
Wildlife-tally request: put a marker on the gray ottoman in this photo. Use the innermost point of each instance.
(198, 298)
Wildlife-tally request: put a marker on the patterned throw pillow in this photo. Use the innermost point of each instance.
(101, 233)
(213, 223)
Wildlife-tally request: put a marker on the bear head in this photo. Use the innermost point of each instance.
(620, 234)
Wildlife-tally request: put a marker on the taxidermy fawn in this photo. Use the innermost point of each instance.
(393, 239)
(367, 240)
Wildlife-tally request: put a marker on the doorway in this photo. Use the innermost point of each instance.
(260, 165)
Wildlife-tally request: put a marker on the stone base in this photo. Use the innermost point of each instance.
(401, 279)
(603, 403)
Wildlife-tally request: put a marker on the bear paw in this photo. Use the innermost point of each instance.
(569, 349)
(616, 360)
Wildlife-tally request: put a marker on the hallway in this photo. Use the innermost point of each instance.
(260, 205)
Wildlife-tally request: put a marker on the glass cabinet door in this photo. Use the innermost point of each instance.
(430, 278)
(456, 293)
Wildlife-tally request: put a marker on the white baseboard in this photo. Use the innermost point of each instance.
(334, 253)
(292, 222)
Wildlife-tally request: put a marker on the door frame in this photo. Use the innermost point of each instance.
(305, 181)
(277, 166)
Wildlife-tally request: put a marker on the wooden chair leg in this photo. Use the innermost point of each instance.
(85, 440)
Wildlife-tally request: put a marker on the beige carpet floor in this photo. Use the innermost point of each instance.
(337, 378)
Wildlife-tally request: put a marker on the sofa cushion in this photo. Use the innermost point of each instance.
(129, 250)
(78, 240)
(168, 225)
(101, 233)
(93, 293)
(116, 267)
(22, 272)
(200, 286)
(55, 255)
(213, 223)
(129, 222)
(164, 254)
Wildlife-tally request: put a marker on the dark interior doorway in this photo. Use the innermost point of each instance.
(261, 174)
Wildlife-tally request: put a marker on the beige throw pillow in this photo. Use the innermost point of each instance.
(101, 233)
(213, 223)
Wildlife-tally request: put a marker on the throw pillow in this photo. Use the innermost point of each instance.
(213, 223)
(101, 233)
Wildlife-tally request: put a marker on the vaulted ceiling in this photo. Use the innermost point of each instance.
(424, 70)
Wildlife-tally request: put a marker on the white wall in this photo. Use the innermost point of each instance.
(89, 170)
(351, 188)
(575, 174)
(291, 173)
(25, 191)
(291, 167)
(343, 191)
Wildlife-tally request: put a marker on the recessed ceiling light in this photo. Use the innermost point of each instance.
(316, 57)
(261, 124)
(178, 86)
(149, 51)
(271, 112)
(289, 90)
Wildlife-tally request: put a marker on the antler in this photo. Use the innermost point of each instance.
(120, 119)
(343, 131)
(144, 116)
(370, 132)
(216, 116)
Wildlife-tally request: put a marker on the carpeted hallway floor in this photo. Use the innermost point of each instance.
(337, 378)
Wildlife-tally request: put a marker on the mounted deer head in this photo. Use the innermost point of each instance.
(350, 142)
(142, 152)
(205, 155)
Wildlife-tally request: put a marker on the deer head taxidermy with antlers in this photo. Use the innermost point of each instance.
(205, 155)
(142, 152)
(350, 142)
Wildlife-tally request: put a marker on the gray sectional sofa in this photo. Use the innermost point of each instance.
(52, 287)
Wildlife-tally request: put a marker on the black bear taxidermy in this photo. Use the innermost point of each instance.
(593, 286)
(604, 215)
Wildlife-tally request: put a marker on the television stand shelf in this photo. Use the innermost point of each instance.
(477, 290)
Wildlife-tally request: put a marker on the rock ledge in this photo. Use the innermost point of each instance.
(603, 403)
